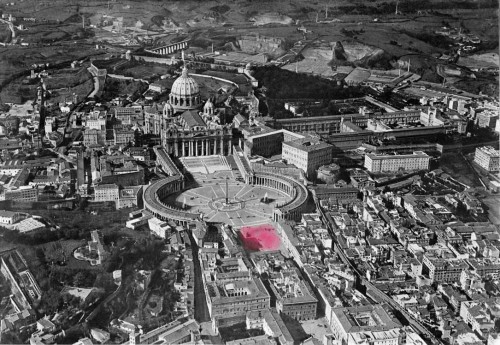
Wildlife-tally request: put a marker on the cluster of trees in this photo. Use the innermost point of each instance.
(39, 237)
(4, 287)
(163, 284)
(484, 83)
(52, 276)
(283, 84)
(73, 277)
(352, 33)
(53, 300)
(433, 39)
(44, 235)
(158, 20)
(220, 9)
(115, 87)
(74, 225)
(146, 252)
(479, 135)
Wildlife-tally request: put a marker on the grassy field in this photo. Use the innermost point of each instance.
(61, 83)
(145, 71)
(15, 59)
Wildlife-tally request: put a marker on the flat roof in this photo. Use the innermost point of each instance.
(415, 154)
(308, 144)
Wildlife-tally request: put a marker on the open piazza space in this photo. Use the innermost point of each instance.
(245, 204)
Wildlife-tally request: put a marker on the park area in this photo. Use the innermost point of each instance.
(114, 87)
(54, 267)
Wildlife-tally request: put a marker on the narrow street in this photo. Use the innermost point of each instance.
(96, 83)
(201, 313)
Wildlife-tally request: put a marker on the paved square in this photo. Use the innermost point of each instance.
(245, 204)
(317, 328)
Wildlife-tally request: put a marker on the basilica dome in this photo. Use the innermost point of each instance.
(185, 93)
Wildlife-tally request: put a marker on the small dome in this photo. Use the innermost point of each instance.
(168, 110)
(185, 86)
(208, 105)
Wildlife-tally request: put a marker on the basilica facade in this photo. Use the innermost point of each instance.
(185, 127)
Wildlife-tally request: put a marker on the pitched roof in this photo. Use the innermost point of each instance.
(192, 119)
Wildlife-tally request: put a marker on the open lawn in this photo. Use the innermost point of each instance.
(59, 250)
(209, 85)
(145, 70)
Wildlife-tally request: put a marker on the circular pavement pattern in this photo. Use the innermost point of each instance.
(231, 205)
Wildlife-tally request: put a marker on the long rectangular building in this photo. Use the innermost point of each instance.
(391, 163)
(333, 123)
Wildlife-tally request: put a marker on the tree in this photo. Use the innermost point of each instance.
(51, 301)
(40, 254)
(79, 279)
(105, 281)
(462, 209)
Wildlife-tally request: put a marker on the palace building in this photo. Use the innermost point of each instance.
(185, 128)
